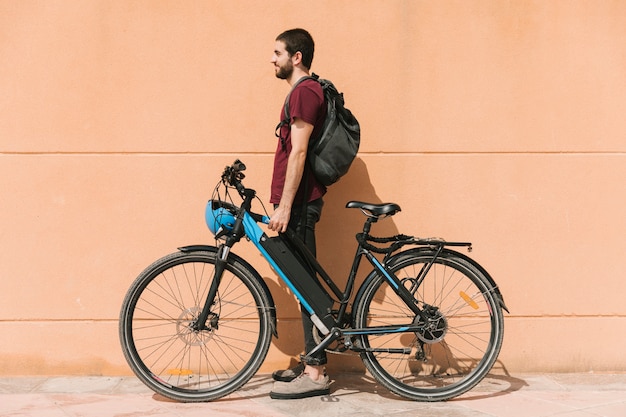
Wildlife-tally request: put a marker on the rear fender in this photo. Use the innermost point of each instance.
(424, 250)
(485, 273)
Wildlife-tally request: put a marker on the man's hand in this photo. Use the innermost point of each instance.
(280, 220)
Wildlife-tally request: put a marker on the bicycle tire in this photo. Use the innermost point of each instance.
(463, 343)
(186, 365)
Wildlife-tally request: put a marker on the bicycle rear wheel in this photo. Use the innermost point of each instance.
(459, 344)
(163, 349)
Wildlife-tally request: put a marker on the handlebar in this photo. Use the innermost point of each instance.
(233, 176)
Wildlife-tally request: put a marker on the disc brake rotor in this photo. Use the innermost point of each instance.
(186, 332)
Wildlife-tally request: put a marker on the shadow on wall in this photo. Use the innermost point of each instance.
(336, 245)
(339, 225)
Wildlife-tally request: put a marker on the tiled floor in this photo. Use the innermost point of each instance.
(562, 395)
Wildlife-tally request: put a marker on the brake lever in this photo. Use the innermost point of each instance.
(239, 166)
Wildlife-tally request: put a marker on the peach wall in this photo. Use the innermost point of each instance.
(496, 122)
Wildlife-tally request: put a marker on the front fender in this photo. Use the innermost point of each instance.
(257, 276)
(198, 248)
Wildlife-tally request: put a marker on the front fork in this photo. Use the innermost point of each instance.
(220, 266)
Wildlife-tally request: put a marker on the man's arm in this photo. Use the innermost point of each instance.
(300, 134)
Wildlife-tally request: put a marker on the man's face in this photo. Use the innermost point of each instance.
(282, 61)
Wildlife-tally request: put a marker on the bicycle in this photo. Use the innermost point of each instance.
(197, 324)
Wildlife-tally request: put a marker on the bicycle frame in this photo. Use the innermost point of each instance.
(297, 274)
(309, 292)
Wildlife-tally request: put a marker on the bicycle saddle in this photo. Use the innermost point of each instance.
(375, 210)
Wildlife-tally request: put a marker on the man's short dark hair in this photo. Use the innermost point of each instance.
(299, 40)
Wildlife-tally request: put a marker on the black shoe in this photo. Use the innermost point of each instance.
(288, 375)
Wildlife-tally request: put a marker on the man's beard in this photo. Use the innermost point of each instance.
(285, 72)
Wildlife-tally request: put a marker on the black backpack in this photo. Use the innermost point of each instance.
(331, 153)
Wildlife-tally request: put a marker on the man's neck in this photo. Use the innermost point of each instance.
(296, 75)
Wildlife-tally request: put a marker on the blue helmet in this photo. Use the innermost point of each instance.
(218, 218)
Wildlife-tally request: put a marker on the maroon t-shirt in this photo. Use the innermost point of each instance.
(306, 102)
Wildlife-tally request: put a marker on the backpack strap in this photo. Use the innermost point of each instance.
(287, 120)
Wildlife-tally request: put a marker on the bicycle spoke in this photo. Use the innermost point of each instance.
(457, 345)
(161, 343)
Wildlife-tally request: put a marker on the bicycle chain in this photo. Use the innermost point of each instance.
(349, 352)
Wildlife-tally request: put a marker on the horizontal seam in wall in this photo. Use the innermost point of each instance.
(382, 154)
(507, 317)
(564, 316)
(46, 320)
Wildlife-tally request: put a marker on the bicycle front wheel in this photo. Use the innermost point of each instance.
(461, 336)
(161, 345)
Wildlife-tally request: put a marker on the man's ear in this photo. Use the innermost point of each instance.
(296, 58)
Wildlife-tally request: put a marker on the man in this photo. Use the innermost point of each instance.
(293, 186)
